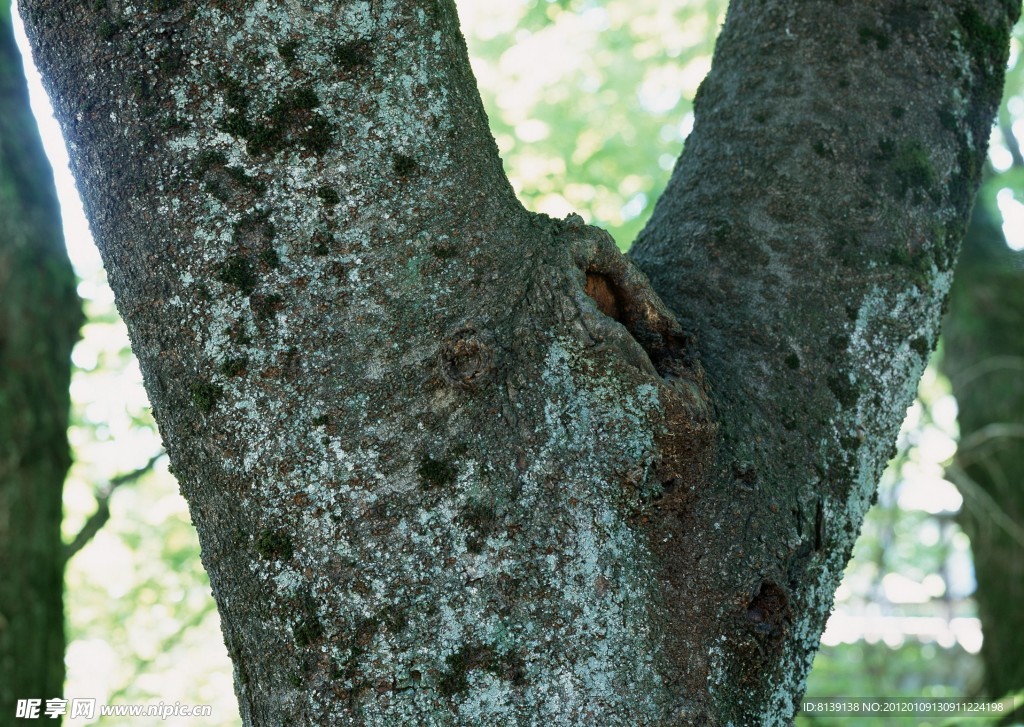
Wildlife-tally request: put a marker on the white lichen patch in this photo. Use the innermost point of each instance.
(875, 337)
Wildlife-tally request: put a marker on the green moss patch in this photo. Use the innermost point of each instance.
(274, 544)
(434, 473)
(237, 271)
(290, 122)
(205, 394)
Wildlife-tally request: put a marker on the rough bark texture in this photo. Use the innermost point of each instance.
(983, 355)
(807, 237)
(39, 319)
(453, 463)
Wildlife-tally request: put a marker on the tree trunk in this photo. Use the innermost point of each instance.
(983, 356)
(39, 319)
(451, 462)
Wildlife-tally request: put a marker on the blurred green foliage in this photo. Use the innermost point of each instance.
(590, 101)
(866, 670)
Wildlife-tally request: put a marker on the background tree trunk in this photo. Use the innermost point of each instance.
(983, 356)
(451, 462)
(39, 319)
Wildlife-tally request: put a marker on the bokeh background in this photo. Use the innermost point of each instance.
(590, 103)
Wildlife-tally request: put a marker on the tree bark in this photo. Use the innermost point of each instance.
(808, 236)
(39, 319)
(983, 355)
(451, 462)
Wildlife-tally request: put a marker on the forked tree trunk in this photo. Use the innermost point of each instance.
(39, 319)
(452, 462)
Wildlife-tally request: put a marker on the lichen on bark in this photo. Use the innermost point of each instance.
(453, 462)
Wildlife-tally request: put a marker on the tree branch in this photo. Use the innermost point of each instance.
(99, 518)
(807, 237)
(983, 505)
(989, 434)
(991, 364)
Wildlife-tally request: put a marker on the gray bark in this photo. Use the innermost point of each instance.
(451, 462)
(808, 237)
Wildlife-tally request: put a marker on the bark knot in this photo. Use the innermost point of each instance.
(621, 292)
(467, 357)
(620, 309)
